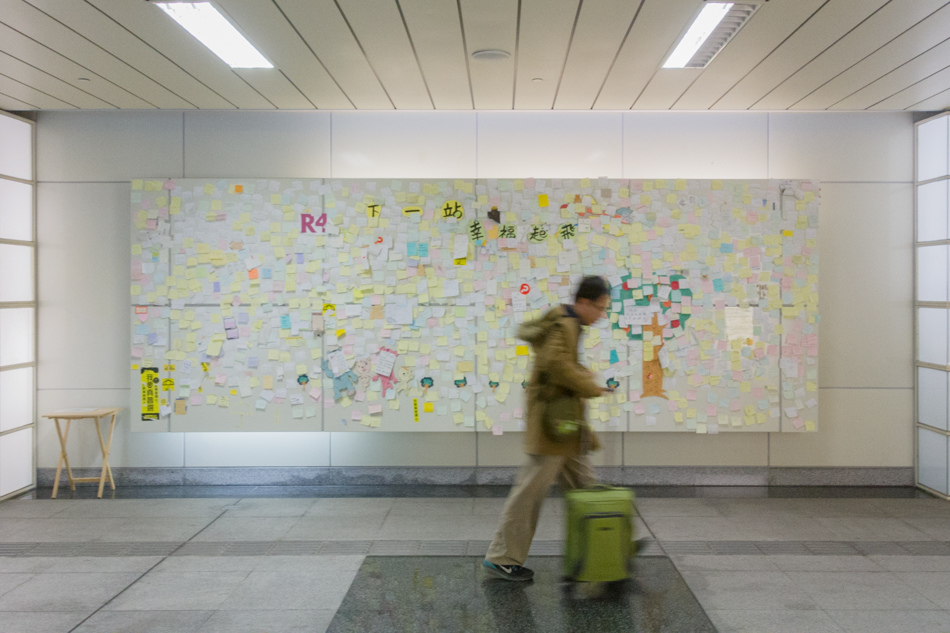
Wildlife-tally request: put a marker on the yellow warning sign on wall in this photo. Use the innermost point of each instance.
(150, 383)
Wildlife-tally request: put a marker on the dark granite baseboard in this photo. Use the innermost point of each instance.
(493, 476)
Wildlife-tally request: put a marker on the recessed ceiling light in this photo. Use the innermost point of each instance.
(83, 79)
(213, 30)
(713, 28)
(537, 80)
(491, 54)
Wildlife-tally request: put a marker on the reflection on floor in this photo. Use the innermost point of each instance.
(395, 594)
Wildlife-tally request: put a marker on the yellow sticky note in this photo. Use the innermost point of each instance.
(521, 350)
(542, 200)
(428, 407)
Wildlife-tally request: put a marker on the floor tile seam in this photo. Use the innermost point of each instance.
(686, 584)
(110, 600)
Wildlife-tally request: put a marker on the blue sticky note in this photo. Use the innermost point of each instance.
(676, 295)
(423, 249)
(299, 258)
(142, 329)
(216, 286)
(266, 273)
(285, 321)
(252, 362)
(725, 248)
(717, 285)
(152, 338)
(412, 248)
(613, 357)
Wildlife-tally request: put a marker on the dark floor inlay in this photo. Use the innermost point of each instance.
(447, 594)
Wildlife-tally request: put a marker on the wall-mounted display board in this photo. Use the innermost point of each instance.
(392, 305)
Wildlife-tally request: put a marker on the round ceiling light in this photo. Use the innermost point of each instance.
(491, 54)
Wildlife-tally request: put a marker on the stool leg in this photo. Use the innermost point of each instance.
(69, 470)
(62, 456)
(105, 459)
(109, 451)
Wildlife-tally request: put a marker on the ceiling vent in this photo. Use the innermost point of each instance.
(727, 28)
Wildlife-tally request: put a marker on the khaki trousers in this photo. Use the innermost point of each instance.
(519, 519)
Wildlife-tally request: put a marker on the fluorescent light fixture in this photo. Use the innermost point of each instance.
(701, 28)
(213, 30)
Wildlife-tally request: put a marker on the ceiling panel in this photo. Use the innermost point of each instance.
(823, 29)
(168, 38)
(665, 88)
(436, 33)
(922, 66)
(271, 33)
(543, 39)
(35, 54)
(655, 31)
(898, 51)
(772, 23)
(14, 105)
(893, 19)
(416, 55)
(24, 73)
(276, 88)
(940, 101)
(324, 30)
(491, 24)
(920, 91)
(379, 29)
(31, 95)
(91, 23)
(600, 32)
(35, 24)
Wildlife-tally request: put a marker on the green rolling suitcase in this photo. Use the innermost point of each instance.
(599, 542)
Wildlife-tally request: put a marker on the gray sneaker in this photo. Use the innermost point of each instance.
(508, 572)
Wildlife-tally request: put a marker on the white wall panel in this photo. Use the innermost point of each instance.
(680, 449)
(549, 144)
(707, 145)
(16, 461)
(83, 253)
(508, 449)
(141, 450)
(403, 144)
(857, 147)
(859, 427)
(84, 263)
(865, 243)
(259, 144)
(257, 449)
(402, 449)
(108, 146)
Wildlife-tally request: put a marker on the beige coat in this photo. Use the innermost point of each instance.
(554, 340)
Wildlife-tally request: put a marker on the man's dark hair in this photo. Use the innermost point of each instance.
(592, 288)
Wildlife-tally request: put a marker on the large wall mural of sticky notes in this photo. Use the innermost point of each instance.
(392, 305)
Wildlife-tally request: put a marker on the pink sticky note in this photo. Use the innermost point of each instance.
(375, 408)
(315, 393)
(497, 430)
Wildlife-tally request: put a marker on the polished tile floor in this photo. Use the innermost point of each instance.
(275, 560)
